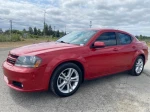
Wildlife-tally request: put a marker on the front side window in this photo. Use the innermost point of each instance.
(124, 38)
(77, 37)
(109, 38)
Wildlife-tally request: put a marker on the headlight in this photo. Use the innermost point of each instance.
(28, 61)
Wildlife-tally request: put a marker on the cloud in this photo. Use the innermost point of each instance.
(4, 11)
(132, 16)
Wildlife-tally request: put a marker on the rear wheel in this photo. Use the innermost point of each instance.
(138, 66)
(66, 79)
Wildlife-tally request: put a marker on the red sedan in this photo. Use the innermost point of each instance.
(63, 65)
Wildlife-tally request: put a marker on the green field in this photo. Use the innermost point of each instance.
(7, 41)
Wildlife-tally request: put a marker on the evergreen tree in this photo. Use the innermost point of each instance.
(30, 30)
(61, 33)
(35, 31)
(54, 34)
(19, 32)
(50, 32)
(45, 30)
(39, 32)
(57, 33)
(24, 30)
(141, 36)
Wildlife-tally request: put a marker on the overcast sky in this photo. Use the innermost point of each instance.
(129, 15)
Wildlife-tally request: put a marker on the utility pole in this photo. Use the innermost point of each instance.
(44, 22)
(90, 24)
(10, 27)
(54, 31)
(65, 29)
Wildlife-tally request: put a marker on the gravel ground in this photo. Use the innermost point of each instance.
(116, 93)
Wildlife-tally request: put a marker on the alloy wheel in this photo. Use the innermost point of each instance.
(68, 80)
(139, 66)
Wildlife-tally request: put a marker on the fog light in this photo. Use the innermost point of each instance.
(17, 84)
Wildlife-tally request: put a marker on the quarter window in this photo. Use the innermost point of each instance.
(109, 38)
(124, 38)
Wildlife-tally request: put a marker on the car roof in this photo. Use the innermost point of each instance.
(107, 29)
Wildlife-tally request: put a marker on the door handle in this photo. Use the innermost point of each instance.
(115, 49)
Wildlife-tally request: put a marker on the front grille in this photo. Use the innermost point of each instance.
(12, 59)
(13, 56)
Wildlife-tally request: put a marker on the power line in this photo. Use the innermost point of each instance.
(14, 21)
(26, 25)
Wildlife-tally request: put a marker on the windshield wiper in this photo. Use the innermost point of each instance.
(63, 42)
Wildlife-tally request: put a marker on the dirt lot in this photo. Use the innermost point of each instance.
(117, 93)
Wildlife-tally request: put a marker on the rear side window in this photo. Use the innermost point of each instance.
(109, 38)
(124, 38)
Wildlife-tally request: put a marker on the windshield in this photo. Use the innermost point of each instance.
(77, 37)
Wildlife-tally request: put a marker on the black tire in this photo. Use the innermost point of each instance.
(133, 70)
(55, 78)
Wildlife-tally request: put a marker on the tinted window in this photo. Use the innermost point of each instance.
(109, 38)
(124, 38)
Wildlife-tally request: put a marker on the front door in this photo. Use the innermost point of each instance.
(102, 61)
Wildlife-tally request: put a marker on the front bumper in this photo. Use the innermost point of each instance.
(24, 79)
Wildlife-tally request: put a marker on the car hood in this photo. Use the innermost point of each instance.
(41, 47)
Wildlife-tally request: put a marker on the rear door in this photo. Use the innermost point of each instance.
(126, 51)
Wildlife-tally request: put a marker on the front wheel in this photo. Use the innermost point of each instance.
(66, 79)
(138, 66)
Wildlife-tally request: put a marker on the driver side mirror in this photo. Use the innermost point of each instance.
(99, 44)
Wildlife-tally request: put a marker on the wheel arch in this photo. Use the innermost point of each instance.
(137, 54)
(133, 70)
(143, 57)
(79, 64)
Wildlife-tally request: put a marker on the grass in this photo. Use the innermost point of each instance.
(8, 38)
(147, 40)
(26, 41)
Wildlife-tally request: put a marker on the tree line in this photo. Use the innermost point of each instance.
(141, 36)
(46, 31)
